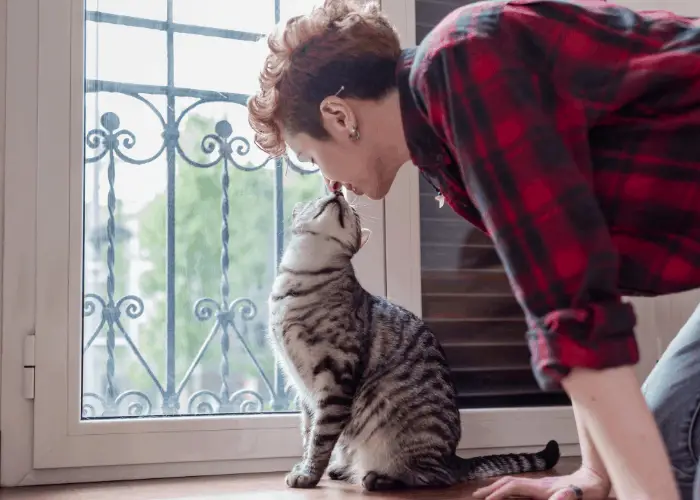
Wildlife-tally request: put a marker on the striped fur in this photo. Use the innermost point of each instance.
(376, 398)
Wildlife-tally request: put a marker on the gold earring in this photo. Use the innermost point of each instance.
(354, 133)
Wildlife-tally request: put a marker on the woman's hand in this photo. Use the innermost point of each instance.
(593, 486)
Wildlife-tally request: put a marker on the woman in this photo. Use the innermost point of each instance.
(571, 135)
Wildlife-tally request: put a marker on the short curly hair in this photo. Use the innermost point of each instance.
(343, 44)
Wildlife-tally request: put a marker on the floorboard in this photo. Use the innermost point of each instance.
(253, 487)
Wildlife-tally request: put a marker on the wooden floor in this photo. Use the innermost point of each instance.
(257, 487)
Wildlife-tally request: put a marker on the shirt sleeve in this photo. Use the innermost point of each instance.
(524, 157)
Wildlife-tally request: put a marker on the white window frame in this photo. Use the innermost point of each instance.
(44, 440)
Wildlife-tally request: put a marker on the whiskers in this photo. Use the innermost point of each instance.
(359, 204)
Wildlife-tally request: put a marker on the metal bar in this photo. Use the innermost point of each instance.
(112, 390)
(134, 88)
(170, 401)
(225, 392)
(279, 399)
(225, 313)
(198, 358)
(169, 26)
(279, 402)
(278, 196)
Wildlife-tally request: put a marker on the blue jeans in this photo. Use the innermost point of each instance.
(672, 391)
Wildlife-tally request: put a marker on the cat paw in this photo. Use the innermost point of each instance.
(379, 482)
(339, 473)
(301, 477)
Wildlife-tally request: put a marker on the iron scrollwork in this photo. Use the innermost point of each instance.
(111, 143)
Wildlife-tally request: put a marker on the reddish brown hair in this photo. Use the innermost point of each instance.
(342, 44)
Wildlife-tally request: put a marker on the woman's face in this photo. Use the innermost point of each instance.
(364, 150)
(343, 163)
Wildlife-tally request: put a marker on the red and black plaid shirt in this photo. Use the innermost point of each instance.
(570, 133)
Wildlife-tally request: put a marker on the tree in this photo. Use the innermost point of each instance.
(198, 272)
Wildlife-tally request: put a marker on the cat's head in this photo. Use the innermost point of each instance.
(333, 218)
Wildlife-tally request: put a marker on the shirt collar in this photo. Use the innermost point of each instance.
(425, 147)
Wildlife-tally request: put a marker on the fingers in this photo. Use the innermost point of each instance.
(566, 494)
(507, 487)
(487, 490)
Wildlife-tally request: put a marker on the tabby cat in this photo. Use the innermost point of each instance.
(374, 390)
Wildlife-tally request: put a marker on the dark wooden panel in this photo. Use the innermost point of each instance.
(490, 332)
(471, 307)
(467, 299)
(487, 356)
(458, 257)
(516, 378)
(429, 14)
(465, 281)
(455, 232)
(497, 387)
(430, 209)
(513, 387)
(424, 187)
(421, 32)
(513, 399)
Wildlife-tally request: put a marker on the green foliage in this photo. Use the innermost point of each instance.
(198, 272)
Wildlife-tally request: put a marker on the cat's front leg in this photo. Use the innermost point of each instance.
(329, 420)
(305, 425)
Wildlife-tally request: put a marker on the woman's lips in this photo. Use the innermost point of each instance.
(335, 186)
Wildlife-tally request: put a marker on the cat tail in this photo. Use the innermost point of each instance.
(504, 465)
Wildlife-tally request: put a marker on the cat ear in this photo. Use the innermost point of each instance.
(364, 236)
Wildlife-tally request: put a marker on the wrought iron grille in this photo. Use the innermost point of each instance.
(109, 144)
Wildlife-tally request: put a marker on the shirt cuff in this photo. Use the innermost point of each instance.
(595, 337)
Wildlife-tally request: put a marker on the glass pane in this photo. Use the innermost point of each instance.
(199, 63)
(184, 220)
(106, 42)
(234, 15)
(148, 9)
(291, 8)
(466, 298)
(239, 15)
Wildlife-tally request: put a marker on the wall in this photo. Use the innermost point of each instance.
(658, 321)
(3, 53)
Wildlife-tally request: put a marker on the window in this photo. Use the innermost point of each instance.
(143, 232)
(184, 217)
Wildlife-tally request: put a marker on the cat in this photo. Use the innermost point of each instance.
(374, 390)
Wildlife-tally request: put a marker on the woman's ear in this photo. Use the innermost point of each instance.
(364, 236)
(337, 116)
